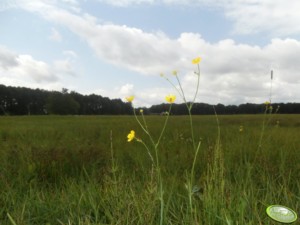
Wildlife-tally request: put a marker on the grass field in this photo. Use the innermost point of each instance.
(82, 170)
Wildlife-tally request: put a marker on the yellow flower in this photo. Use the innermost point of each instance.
(174, 72)
(267, 103)
(130, 98)
(141, 111)
(161, 74)
(241, 129)
(170, 98)
(131, 136)
(196, 60)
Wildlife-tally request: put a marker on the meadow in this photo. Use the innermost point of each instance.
(82, 170)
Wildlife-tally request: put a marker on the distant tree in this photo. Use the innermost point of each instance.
(26, 101)
(62, 104)
(220, 109)
(64, 91)
(231, 109)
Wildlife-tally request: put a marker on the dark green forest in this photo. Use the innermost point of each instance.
(26, 101)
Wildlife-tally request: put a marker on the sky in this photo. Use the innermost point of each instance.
(117, 48)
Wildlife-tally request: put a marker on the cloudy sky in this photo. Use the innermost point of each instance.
(117, 48)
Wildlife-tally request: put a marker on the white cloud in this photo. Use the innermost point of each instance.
(123, 3)
(231, 72)
(64, 66)
(24, 66)
(145, 97)
(273, 17)
(126, 90)
(117, 92)
(74, 2)
(39, 71)
(7, 58)
(269, 16)
(24, 70)
(55, 35)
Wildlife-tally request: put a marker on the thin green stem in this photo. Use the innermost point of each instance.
(181, 89)
(197, 89)
(161, 197)
(139, 122)
(194, 162)
(113, 163)
(271, 86)
(182, 96)
(148, 150)
(189, 108)
(192, 129)
(191, 182)
(262, 129)
(145, 123)
(144, 128)
(218, 125)
(11, 219)
(164, 127)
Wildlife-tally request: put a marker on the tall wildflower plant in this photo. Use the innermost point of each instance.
(190, 185)
(268, 113)
(153, 150)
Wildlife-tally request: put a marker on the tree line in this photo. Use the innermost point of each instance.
(220, 109)
(26, 101)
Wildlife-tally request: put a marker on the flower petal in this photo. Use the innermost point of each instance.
(170, 98)
(131, 136)
(196, 60)
(130, 98)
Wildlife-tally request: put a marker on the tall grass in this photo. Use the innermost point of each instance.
(59, 170)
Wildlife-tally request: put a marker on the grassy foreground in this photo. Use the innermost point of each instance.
(82, 170)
